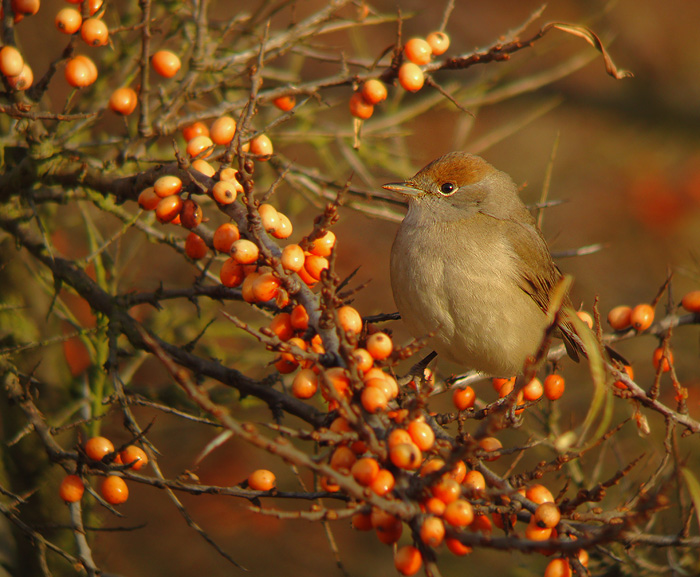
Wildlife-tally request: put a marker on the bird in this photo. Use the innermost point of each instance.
(470, 269)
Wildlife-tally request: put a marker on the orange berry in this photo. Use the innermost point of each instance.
(439, 42)
(691, 301)
(359, 107)
(558, 568)
(374, 399)
(323, 245)
(583, 557)
(201, 165)
(406, 456)
(432, 531)
(459, 513)
(474, 481)
(329, 485)
(284, 227)
(196, 129)
(641, 317)
(25, 7)
(71, 489)
(268, 217)
(225, 235)
(459, 471)
(411, 77)
(281, 325)
(365, 471)
(23, 80)
(80, 72)
(93, 6)
(198, 145)
(456, 547)
(148, 199)
(96, 448)
(342, 459)
(383, 483)
(539, 494)
(390, 535)
(398, 437)
(261, 480)
(229, 173)
(434, 506)
(664, 361)
(305, 384)
(11, 61)
(553, 387)
(418, 51)
(123, 101)
(373, 91)
(464, 398)
(421, 434)
(285, 103)
(499, 382)
(166, 63)
(266, 287)
(247, 287)
(195, 247)
(447, 490)
(292, 258)
(313, 265)
(168, 208)
(244, 251)
(363, 360)
(261, 146)
(68, 20)
(94, 32)
(490, 445)
(619, 317)
(535, 533)
(224, 192)
(339, 380)
(114, 490)
(167, 186)
(408, 560)
(232, 273)
(349, 319)
(222, 130)
(299, 318)
(547, 515)
(533, 390)
(362, 522)
(380, 346)
(134, 456)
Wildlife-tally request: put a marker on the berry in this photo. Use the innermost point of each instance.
(191, 215)
(323, 246)
(148, 199)
(195, 247)
(642, 317)
(285, 103)
(533, 390)
(166, 63)
(373, 91)
(23, 80)
(200, 145)
(456, 547)
(261, 480)
(313, 265)
(408, 560)
(168, 209)
(383, 483)
(261, 146)
(222, 130)
(547, 515)
(619, 317)
(305, 384)
(558, 568)
(439, 42)
(96, 448)
(490, 445)
(553, 387)
(359, 107)
(71, 489)
(475, 481)
(284, 227)
(196, 129)
(244, 251)
(269, 217)
(406, 456)
(539, 494)
(11, 61)
(411, 77)
(80, 72)
(661, 360)
(281, 325)
(292, 258)
(224, 237)
(134, 456)
(114, 490)
(349, 319)
(421, 434)
(94, 32)
(380, 346)
(68, 20)
(418, 51)
(432, 531)
(225, 192)
(232, 273)
(265, 287)
(365, 471)
(464, 398)
(691, 301)
(167, 186)
(123, 101)
(459, 513)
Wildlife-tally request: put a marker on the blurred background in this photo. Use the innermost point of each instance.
(625, 160)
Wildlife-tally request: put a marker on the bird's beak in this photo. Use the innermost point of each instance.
(402, 188)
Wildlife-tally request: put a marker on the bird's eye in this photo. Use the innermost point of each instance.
(447, 188)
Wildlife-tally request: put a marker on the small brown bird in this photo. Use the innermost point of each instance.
(470, 266)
